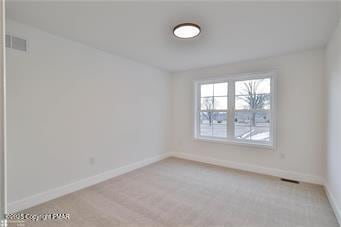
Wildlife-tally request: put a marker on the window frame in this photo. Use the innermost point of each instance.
(199, 110)
(231, 79)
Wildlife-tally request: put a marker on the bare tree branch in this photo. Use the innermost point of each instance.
(254, 100)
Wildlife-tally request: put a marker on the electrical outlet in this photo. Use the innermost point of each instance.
(91, 160)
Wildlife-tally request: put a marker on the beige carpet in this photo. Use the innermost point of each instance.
(176, 192)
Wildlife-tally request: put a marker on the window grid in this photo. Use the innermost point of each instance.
(212, 110)
(250, 126)
(231, 111)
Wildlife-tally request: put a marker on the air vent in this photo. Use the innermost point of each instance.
(290, 181)
(16, 43)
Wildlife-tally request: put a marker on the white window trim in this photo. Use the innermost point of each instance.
(230, 138)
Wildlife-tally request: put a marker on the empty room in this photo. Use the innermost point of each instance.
(161, 113)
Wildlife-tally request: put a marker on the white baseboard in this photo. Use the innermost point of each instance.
(332, 201)
(83, 183)
(252, 168)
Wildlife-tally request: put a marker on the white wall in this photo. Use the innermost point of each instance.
(68, 102)
(333, 67)
(300, 118)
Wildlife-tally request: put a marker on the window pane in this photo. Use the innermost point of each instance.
(213, 124)
(252, 102)
(220, 103)
(262, 119)
(206, 117)
(260, 130)
(206, 90)
(242, 102)
(220, 89)
(219, 118)
(242, 125)
(206, 123)
(207, 103)
(260, 133)
(248, 87)
(206, 130)
(219, 124)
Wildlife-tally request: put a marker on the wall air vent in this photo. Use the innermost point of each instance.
(16, 43)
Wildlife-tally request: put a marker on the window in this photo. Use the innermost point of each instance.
(213, 109)
(237, 109)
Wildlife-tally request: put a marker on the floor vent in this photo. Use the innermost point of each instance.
(290, 181)
(16, 43)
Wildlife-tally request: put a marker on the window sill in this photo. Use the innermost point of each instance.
(235, 142)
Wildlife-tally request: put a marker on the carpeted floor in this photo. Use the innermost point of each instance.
(176, 192)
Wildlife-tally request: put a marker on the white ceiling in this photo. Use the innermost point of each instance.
(142, 31)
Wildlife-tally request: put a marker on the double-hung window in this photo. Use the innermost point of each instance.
(236, 109)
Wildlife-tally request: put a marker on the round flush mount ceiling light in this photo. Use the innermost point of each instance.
(186, 30)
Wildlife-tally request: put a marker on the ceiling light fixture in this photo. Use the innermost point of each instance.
(186, 30)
